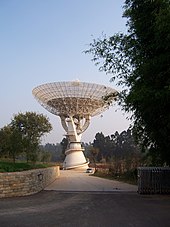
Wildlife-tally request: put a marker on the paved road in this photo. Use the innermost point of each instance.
(71, 180)
(96, 208)
(85, 209)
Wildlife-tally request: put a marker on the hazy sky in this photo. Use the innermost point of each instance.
(43, 41)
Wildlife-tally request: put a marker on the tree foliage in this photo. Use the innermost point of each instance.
(10, 142)
(105, 146)
(51, 152)
(93, 155)
(23, 134)
(140, 60)
(64, 145)
(117, 146)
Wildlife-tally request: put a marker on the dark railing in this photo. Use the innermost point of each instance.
(154, 180)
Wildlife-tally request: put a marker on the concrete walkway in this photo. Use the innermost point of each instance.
(71, 180)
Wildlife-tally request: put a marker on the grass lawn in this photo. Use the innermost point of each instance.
(20, 166)
(127, 177)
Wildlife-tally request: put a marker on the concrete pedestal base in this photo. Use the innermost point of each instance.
(75, 157)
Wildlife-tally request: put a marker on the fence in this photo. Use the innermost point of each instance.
(154, 180)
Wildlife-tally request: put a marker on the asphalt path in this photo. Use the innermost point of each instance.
(91, 208)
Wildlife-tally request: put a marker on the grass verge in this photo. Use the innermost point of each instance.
(128, 177)
(20, 166)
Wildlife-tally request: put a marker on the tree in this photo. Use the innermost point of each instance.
(99, 143)
(93, 154)
(64, 144)
(117, 146)
(125, 146)
(54, 150)
(10, 142)
(32, 127)
(4, 140)
(45, 156)
(140, 61)
(23, 134)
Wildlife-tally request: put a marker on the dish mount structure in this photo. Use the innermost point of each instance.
(75, 103)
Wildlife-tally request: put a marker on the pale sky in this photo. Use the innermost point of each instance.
(43, 41)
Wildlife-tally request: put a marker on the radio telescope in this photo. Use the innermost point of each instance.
(75, 103)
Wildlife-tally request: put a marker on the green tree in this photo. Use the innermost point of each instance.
(45, 156)
(4, 141)
(93, 155)
(54, 150)
(105, 146)
(64, 144)
(140, 61)
(10, 142)
(99, 143)
(32, 127)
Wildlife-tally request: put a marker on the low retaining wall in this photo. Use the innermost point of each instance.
(26, 182)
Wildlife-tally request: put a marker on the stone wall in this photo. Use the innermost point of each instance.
(26, 182)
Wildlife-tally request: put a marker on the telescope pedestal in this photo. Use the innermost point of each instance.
(75, 158)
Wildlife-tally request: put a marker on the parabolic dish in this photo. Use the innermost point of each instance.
(74, 98)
